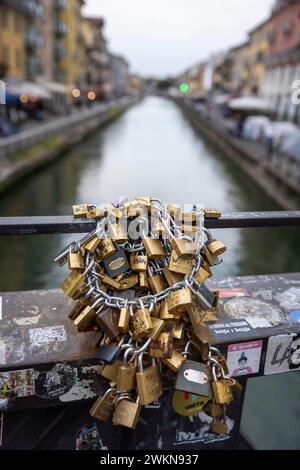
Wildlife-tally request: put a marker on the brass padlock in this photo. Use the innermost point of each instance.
(109, 281)
(108, 321)
(107, 247)
(143, 282)
(175, 211)
(92, 245)
(215, 410)
(180, 265)
(188, 404)
(86, 318)
(216, 294)
(76, 260)
(124, 319)
(162, 346)
(175, 362)
(189, 229)
(143, 201)
(208, 256)
(96, 213)
(77, 309)
(184, 248)
(164, 313)
(180, 301)
(158, 228)
(157, 327)
(138, 262)
(206, 266)
(171, 277)
(111, 371)
(212, 214)
(126, 413)
(195, 315)
(202, 275)
(126, 379)
(118, 233)
(72, 283)
(80, 292)
(221, 387)
(104, 406)
(156, 283)
(80, 210)
(141, 323)
(216, 248)
(178, 330)
(218, 427)
(114, 212)
(128, 282)
(190, 217)
(148, 382)
(154, 248)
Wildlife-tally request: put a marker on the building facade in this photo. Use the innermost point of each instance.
(257, 52)
(283, 61)
(119, 75)
(239, 68)
(97, 60)
(194, 78)
(13, 20)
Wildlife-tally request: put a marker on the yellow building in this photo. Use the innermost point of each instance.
(12, 44)
(259, 42)
(194, 78)
(69, 45)
(240, 68)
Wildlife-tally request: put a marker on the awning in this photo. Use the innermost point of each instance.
(55, 87)
(249, 103)
(30, 89)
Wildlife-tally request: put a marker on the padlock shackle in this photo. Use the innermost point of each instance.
(121, 397)
(128, 351)
(213, 369)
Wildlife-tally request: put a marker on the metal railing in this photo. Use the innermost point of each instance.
(67, 224)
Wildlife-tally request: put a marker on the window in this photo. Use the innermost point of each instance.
(5, 54)
(17, 22)
(4, 18)
(18, 59)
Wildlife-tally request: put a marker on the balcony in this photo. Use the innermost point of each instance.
(59, 51)
(289, 56)
(33, 39)
(61, 4)
(61, 29)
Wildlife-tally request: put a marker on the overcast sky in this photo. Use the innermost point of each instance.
(163, 37)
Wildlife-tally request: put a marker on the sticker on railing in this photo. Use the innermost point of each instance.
(17, 383)
(283, 354)
(244, 358)
(234, 292)
(49, 334)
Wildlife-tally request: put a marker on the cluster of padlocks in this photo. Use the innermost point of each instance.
(139, 280)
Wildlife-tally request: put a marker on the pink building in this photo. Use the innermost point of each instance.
(286, 27)
(283, 63)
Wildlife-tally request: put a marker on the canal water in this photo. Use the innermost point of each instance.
(152, 149)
